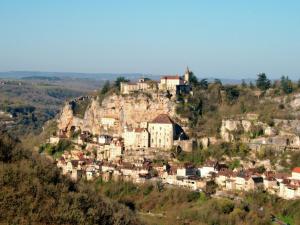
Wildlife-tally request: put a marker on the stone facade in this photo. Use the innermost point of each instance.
(136, 138)
(162, 132)
(128, 87)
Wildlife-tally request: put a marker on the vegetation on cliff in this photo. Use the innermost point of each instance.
(211, 102)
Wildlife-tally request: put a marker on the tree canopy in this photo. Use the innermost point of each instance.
(262, 82)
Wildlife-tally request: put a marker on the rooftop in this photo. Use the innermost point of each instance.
(171, 77)
(296, 170)
(162, 118)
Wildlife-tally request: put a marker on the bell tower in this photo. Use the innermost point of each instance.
(187, 75)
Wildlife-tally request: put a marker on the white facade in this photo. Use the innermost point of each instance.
(206, 170)
(170, 82)
(296, 174)
(161, 132)
(136, 138)
(104, 139)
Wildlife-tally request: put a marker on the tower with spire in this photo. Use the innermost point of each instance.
(187, 75)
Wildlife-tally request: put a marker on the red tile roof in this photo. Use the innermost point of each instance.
(296, 170)
(162, 118)
(176, 77)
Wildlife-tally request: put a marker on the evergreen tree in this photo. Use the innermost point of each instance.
(262, 82)
(119, 80)
(105, 88)
(286, 85)
(203, 84)
(193, 79)
(244, 84)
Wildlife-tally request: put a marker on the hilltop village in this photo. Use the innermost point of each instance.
(135, 135)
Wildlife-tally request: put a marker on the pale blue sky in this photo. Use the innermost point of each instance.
(227, 39)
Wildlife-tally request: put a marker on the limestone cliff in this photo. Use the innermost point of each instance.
(125, 109)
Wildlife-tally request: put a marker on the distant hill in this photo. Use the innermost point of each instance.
(55, 76)
(95, 76)
(45, 78)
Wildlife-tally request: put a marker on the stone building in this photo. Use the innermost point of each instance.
(176, 83)
(162, 132)
(136, 138)
(141, 85)
(170, 82)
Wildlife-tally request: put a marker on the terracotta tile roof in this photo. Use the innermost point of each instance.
(162, 118)
(296, 170)
(176, 77)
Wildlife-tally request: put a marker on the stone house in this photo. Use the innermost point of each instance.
(255, 182)
(289, 189)
(110, 151)
(208, 168)
(224, 177)
(91, 172)
(270, 184)
(136, 138)
(162, 132)
(104, 139)
(170, 83)
(116, 148)
(129, 87)
(296, 173)
(185, 170)
(105, 167)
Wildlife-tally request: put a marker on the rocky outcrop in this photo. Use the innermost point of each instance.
(233, 126)
(295, 103)
(127, 110)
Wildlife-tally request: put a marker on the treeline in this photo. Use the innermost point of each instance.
(213, 101)
(34, 192)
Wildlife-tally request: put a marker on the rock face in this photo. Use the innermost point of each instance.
(127, 110)
(230, 126)
(295, 103)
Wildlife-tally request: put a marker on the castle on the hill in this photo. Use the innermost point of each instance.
(172, 83)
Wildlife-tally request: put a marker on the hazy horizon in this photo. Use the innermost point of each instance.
(230, 40)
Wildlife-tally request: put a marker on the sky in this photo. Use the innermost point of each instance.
(215, 38)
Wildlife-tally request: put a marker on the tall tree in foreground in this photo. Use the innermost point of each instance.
(262, 82)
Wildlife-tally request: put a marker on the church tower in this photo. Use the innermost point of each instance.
(187, 75)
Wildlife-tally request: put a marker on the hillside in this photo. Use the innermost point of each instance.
(34, 192)
(34, 100)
